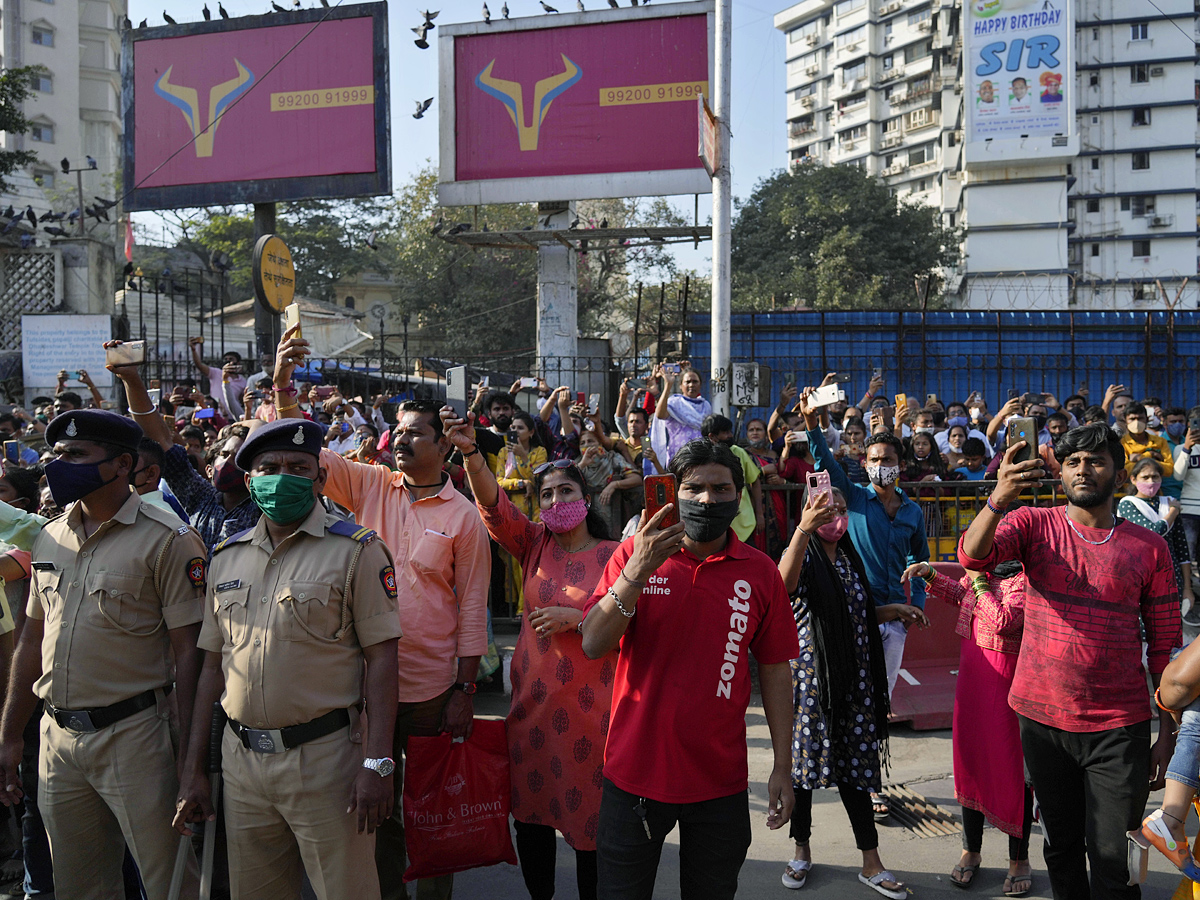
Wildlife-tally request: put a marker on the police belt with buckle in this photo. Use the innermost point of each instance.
(86, 721)
(276, 740)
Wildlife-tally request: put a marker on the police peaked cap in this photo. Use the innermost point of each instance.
(282, 434)
(95, 425)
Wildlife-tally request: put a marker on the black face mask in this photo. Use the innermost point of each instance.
(704, 522)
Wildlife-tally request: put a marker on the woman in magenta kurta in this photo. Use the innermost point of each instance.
(989, 770)
(558, 721)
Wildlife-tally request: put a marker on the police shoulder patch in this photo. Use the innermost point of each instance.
(196, 571)
(387, 575)
(357, 532)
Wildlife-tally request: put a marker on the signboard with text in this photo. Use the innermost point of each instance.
(257, 109)
(1020, 79)
(579, 106)
(51, 343)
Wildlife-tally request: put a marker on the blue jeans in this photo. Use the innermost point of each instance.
(1185, 761)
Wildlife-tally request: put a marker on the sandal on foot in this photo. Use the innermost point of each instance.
(1156, 832)
(880, 808)
(1011, 882)
(796, 873)
(957, 873)
(875, 883)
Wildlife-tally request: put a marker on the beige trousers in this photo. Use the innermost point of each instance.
(285, 815)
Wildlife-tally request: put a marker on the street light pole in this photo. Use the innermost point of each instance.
(722, 216)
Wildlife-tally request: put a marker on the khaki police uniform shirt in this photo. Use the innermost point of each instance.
(106, 618)
(272, 614)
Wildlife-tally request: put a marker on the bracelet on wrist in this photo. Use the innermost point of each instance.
(929, 578)
(994, 508)
(627, 613)
(1158, 701)
(280, 409)
(632, 581)
(144, 412)
(807, 534)
(286, 390)
(474, 450)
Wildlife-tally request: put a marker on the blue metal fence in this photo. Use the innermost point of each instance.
(951, 353)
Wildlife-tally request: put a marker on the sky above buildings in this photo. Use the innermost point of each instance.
(758, 127)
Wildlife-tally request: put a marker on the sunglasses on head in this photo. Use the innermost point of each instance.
(553, 464)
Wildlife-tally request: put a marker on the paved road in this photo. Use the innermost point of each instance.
(921, 759)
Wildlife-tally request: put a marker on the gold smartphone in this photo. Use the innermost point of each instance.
(130, 353)
(291, 319)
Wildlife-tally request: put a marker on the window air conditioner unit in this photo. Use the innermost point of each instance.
(1160, 221)
(806, 101)
(1156, 71)
(925, 25)
(848, 145)
(812, 39)
(812, 70)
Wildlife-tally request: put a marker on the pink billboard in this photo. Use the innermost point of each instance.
(580, 99)
(250, 110)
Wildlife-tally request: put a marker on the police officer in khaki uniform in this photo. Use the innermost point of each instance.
(295, 607)
(116, 597)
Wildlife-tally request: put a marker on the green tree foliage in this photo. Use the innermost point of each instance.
(833, 237)
(14, 90)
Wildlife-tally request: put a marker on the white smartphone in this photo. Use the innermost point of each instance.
(593, 403)
(529, 383)
(824, 396)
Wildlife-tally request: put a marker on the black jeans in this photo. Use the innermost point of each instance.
(858, 807)
(1018, 847)
(714, 836)
(537, 846)
(1092, 788)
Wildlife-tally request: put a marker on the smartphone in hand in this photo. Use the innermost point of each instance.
(130, 353)
(818, 483)
(291, 319)
(660, 490)
(1024, 429)
(456, 391)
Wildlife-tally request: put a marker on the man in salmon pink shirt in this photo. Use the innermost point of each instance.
(688, 604)
(1080, 689)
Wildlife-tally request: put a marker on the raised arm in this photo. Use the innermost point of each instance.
(787, 397)
(668, 384)
(290, 353)
(86, 380)
(195, 343)
(143, 410)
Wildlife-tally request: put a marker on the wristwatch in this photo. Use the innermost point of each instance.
(381, 767)
(467, 687)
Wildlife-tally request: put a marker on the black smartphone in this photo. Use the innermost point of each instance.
(510, 436)
(1024, 429)
(1013, 394)
(843, 378)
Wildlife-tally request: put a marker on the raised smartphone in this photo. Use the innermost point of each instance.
(130, 353)
(529, 383)
(291, 319)
(456, 390)
(12, 453)
(580, 397)
(593, 402)
(660, 490)
(818, 483)
(823, 396)
(901, 401)
(1024, 429)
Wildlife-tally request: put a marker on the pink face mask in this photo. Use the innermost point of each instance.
(833, 531)
(1149, 488)
(562, 517)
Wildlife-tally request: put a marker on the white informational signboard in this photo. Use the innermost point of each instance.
(745, 384)
(1020, 79)
(52, 343)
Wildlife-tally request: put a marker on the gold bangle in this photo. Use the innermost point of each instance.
(280, 409)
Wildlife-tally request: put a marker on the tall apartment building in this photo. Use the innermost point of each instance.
(75, 110)
(880, 85)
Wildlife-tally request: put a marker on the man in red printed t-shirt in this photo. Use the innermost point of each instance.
(1080, 690)
(676, 751)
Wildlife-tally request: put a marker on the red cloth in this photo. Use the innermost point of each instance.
(989, 768)
(1080, 667)
(678, 732)
(561, 699)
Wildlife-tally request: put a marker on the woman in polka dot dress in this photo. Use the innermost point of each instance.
(840, 687)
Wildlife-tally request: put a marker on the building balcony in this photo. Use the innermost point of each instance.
(798, 130)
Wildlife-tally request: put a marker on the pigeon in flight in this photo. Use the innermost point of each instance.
(168, 19)
(370, 241)
(422, 106)
(429, 17)
(420, 33)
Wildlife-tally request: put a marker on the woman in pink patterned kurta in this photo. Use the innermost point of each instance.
(558, 721)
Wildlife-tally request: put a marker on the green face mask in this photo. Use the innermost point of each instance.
(283, 498)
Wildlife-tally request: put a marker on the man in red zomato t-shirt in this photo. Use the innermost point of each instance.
(1079, 690)
(676, 750)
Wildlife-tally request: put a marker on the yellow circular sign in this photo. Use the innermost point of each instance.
(273, 273)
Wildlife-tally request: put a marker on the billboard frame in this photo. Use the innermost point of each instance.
(264, 190)
(599, 186)
(1005, 151)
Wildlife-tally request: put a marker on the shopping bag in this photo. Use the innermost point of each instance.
(456, 802)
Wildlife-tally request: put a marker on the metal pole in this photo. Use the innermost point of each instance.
(79, 180)
(637, 327)
(683, 332)
(722, 213)
(662, 298)
(266, 323)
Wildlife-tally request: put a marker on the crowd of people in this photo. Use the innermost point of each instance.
(224, 542)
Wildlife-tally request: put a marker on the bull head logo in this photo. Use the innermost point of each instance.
(219, 98)
(544, 92)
